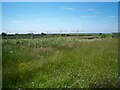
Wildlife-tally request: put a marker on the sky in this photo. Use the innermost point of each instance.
(59, 17)
(60, 0)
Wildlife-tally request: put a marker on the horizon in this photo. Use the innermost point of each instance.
(60, 17)
(59, 33)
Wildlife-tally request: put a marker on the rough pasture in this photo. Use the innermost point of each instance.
(65, 62)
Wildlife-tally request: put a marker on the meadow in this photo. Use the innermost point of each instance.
(60, 62)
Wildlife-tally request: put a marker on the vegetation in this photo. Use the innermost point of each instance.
(60, 62)
(33, 36)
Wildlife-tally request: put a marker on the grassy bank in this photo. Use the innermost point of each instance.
(60, 62)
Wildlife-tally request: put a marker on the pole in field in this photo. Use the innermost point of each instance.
(60, 32)
(77, 32)
(31, 34)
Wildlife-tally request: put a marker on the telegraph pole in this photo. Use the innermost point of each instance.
(31, 34)
(60, 32)
(77, 32)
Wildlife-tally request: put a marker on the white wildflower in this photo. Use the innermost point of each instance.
(11, 51)
(32, 82)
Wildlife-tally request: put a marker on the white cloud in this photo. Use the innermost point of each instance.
(86, 17)
(68, 8)
(90, 9)
(94, 11)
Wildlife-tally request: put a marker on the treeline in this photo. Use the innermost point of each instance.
(21, 36)
(31, 35)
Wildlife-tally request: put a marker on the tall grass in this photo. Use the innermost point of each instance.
(65, 62)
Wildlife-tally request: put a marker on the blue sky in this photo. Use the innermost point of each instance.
(60, 0)
(53, 17)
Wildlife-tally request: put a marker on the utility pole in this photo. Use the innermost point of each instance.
(31, 34)
(60, 32)
(47, 33)
(77, 32)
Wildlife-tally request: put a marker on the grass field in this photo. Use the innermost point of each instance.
(65, 62)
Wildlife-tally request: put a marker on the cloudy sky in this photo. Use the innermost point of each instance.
(65, 17)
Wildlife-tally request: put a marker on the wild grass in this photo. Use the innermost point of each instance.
(64, 62)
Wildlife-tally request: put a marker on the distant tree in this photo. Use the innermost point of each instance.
(4, 34)
(68, 34)
(43, 33)
(100, 33)
(63, 34)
